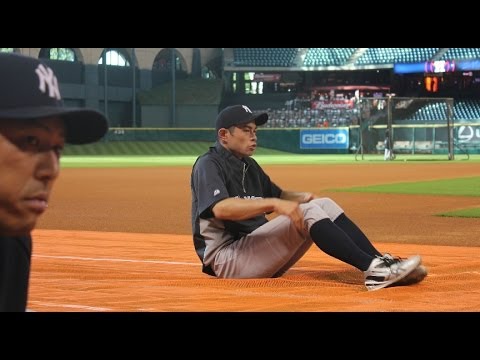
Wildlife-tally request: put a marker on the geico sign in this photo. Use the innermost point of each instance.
(324, 138)
(467, 133)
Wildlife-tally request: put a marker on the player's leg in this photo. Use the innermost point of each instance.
(267, 252)
(379, 271)
(339, 237)
(274, 247)
(337, 215)
(356, 234)
(361, 240)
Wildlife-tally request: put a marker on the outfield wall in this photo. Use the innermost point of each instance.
(301, 141)
(337, 140)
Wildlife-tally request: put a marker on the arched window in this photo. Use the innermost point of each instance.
(163, 61)
(114, 58)
(63, 54)
(213, 69)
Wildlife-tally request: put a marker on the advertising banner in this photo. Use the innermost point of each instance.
(328, 138)
(332, 104)
(468, 134)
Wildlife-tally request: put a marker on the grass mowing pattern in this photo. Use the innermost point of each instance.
(147, 148)
(468, 213)
(125, 161)
(262, 155)
(456, 187)
(172, 153)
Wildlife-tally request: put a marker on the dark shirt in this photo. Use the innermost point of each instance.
(218, 175)
(15, 256)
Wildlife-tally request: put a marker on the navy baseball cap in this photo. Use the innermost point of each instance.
(238, 115)
(29, 90)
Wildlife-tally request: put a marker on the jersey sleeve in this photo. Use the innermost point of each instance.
(208, 185)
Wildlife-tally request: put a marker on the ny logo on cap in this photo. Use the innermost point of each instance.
(48, 79)
(246, 108)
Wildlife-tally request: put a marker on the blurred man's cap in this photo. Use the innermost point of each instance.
(29, 90)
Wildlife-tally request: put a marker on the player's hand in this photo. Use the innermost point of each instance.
(299, 197)
(292, 210)
(307, 196)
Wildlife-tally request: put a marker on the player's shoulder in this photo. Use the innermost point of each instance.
(207, 159)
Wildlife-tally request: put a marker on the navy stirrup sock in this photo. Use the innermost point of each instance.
(358, 237)
(335, 242)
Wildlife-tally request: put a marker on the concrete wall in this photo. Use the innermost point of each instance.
(186, 116)
(82, 83)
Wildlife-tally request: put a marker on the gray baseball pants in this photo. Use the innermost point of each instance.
(274, 247)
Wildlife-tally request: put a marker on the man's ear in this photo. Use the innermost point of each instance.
(222, 134)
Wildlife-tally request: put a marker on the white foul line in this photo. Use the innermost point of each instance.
(84, 307)
(117, 260)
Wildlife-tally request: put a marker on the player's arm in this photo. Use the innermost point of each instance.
(299, 197)
(242, 209)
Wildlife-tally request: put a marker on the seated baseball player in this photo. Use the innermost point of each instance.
(231, 195)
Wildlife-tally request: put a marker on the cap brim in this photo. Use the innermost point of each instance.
(83, 125)
(261, 119)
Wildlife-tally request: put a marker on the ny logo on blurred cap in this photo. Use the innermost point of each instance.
(246, 108)
(48, 79)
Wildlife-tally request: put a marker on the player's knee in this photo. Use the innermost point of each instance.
(329, 206)
(325, 201)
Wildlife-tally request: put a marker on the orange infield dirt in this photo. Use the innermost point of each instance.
(120, 240)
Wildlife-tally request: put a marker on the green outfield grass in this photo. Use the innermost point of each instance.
(469, 213)
(450, 187)
(147, 154)
(147, 148)
(69, 161)
(457, 187)
(158, 153)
